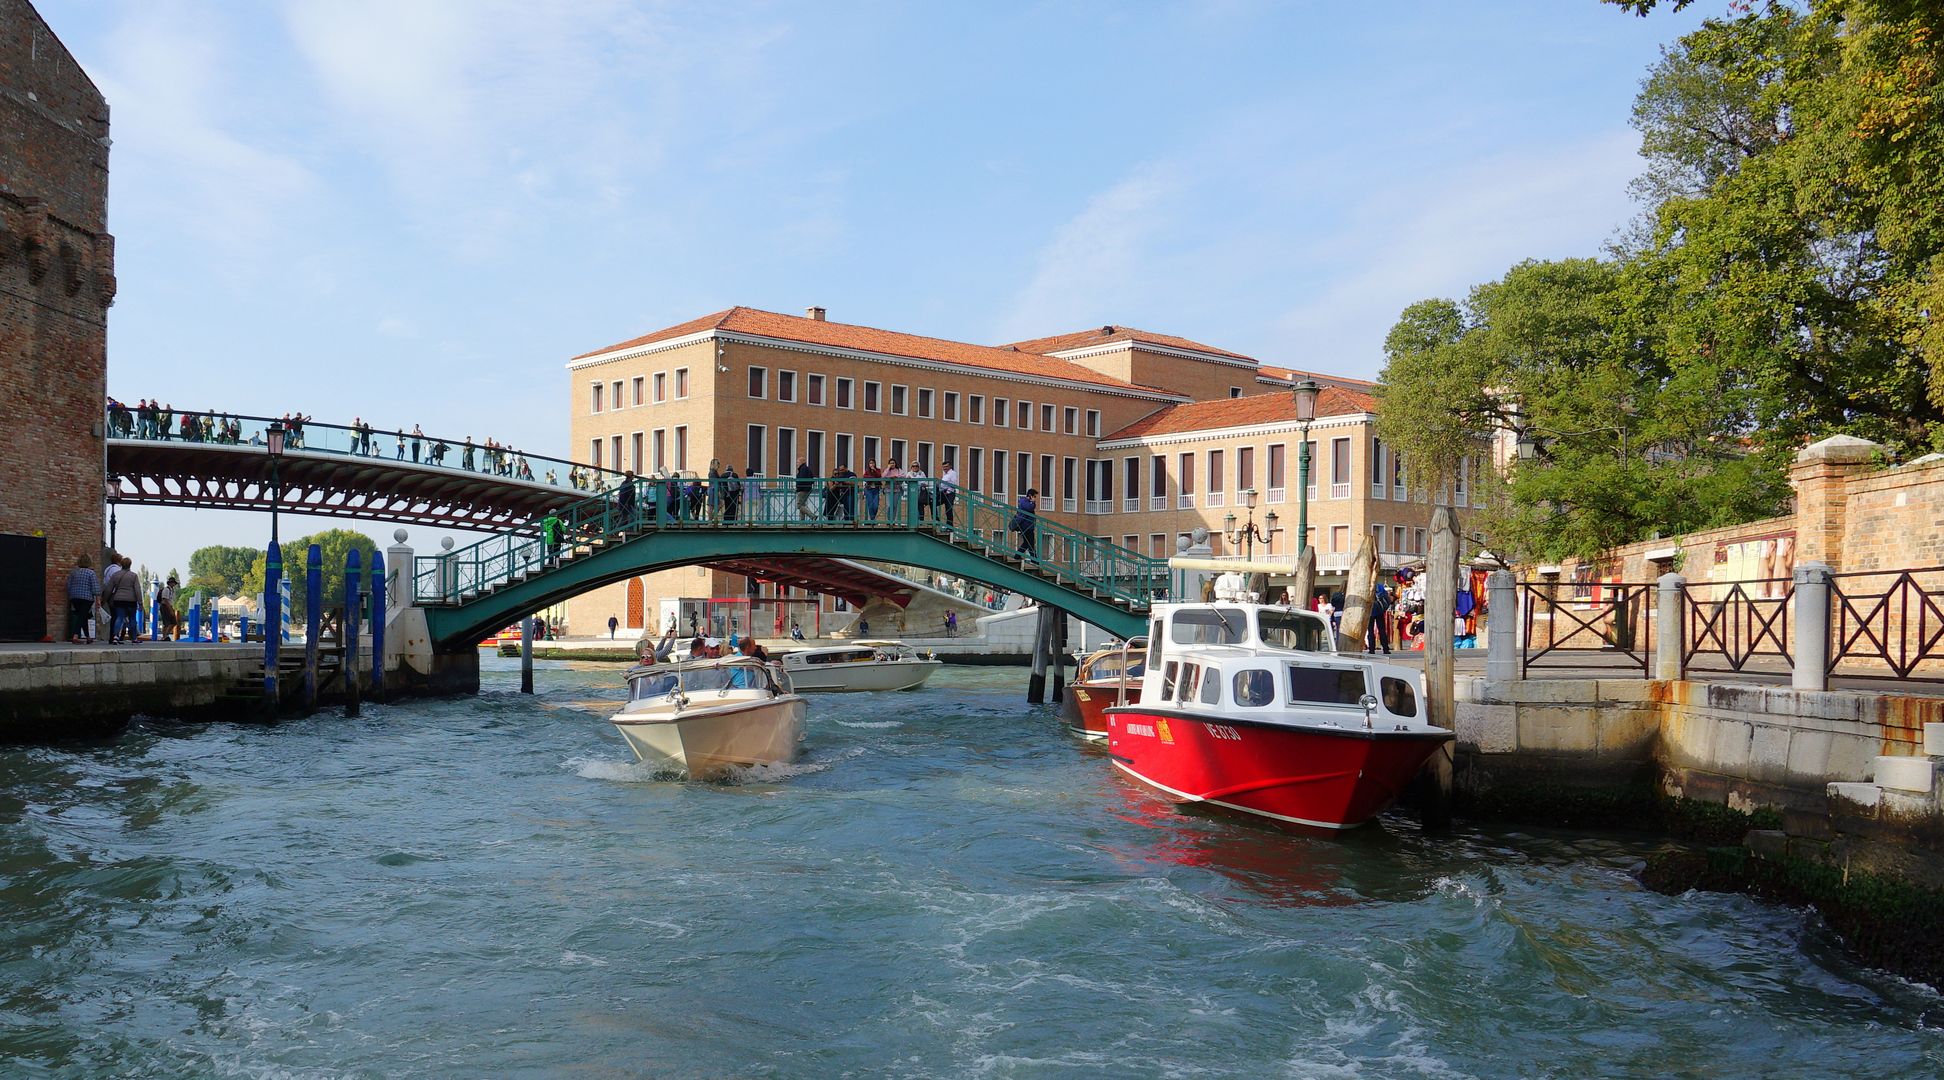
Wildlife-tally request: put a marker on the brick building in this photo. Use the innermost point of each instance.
(1131, 435)
(56, 281)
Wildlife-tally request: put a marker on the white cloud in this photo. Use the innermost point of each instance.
(1096, 259)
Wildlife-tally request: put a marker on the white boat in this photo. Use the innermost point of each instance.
(860, 665)
(706, 717)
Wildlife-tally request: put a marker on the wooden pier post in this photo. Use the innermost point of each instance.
(348, 633)
(1357, 591)
(1059, 657)
(526, 655)
(377, 586)
(313, 621)
(272, 605)
(1042, 645)
(1305, 590)
(1440, 659)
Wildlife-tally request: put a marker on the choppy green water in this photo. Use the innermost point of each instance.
(945, 886)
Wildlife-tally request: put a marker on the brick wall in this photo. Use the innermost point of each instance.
(56, 282)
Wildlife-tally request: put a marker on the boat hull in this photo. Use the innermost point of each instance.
(1304, 775)
(857, 678)
(705, 744)
(1083, 708)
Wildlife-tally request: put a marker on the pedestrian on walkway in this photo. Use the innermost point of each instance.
(83, 589)
(624, 502)
(416, 436)
(804, 476)
(613, 625)
(171, 628)
(873, 488)
(947, 492)
(550, 535)
(123, 596)
(1025, 522)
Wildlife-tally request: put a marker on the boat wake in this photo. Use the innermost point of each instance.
(870, 723)
(626, 772)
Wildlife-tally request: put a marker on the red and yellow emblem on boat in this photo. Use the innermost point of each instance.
(1161, 729)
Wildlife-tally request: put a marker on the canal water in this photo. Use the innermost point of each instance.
(945, 886)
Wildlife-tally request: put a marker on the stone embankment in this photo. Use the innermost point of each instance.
(63, 691)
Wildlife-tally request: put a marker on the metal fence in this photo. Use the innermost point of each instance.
(1601, 624)
(1887, 624)
(1736, 626)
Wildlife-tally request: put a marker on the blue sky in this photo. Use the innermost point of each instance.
(416, 210)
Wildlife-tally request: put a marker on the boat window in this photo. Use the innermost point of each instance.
(1211, 687)
(1291, 630)
(1326, 685)
(1168, 680)
(729, 677)
(1254, 688)
(1399, 698)
(1154, 647)
(1209, 626)
(1189, 674)
(653, 686)
(846, 656)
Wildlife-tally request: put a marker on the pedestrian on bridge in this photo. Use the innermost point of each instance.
(466, 456)
(732, 493)
(416, 436)
(624, 502)
(873, 488)
(401, 444)
(550, 536)
(804, 477)
(947, 492)
(1026, 523)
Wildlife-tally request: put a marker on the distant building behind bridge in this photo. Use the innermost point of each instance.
(57, 278)
(1135, 436)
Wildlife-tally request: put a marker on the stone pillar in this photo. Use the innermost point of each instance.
(1501, 627)
(399, 569)
(1669, 642)
(1811, 658)
(1820, 476)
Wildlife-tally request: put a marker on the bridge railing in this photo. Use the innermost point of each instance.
(988, 526)
(390, 444)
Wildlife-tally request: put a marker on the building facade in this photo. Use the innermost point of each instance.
(1130, 435)
(57, 278)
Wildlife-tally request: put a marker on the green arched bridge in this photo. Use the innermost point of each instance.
(471, 591)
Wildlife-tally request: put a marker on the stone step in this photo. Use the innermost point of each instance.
(1934, 740)
(1906, 773)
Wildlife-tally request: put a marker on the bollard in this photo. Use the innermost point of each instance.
(272, 599)
(526, 655)
(243, 628)
(1501, 628)
(313, 621)
(1811, 660)
(379, 585)
(155, 616)
(195, 618)
(353, 603)
(1668, 639)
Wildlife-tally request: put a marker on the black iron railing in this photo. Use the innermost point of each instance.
(1601, 624)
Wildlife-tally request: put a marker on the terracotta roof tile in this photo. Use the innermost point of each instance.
(1292, 374)
(796, 328)
(1108, 334)
(1277, 408)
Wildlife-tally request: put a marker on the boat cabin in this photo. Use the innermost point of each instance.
(722, 675)
(1246, 661)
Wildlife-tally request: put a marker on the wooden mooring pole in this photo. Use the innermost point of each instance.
(1440, 659)
(348, 633)
(1357, 591)
(313, 621)
(526, 655)
(1042, 649)
(1059, 657)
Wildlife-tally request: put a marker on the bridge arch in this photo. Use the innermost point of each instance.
(456, 625)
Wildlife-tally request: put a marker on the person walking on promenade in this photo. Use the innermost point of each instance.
(613, 625)
(83, 589)
(123, 596)
(171, 628)
(947, 492)
(1026, 523)
(804, 475)
(873, 487)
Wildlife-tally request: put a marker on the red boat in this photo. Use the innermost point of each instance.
(1248, 708)
(1109, 676)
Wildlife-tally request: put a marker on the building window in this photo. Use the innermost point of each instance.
(681, 447)
(758, 382)
(974, 475)
(1315, 468)
(1417, 541)
(951, 405)
(813, 451)
(898, 403)
(1278, 470)
(614, 445)
(786, 452)
(1158, 545)
(634, 390)
(844, 392)
(661, 387)
(594, 455)
(1131, 483)
(1245, 469)
(1157, 483)
(999, 412)
(681, 383)
(925, 457)
(1185, 481)
(1339, 468)
(1069, 481)
(1093, 423)
(844, 452)
(1397, 539)
(1339, 538)
(1023, 415)
(1378, 473)
(1235, 391)
(925, 402)
(1397, 477)
(1459, 493)
(1100, 485)
(871, 403)
(975, 409)
(1377, 541)
(1023, 473)
(634, 451)
(786, 386)
(948, 456)
(661, 449)
(1046, 419)
(616, 399)
(1217, 486)
(813, 386)
(596, 398)
(999, 472)
(897, 454)
(754, 448)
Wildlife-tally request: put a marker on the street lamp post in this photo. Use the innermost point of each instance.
(1305, 395)
(273, 439)
(1250, 532)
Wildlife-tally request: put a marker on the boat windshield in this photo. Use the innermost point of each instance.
(652, 684)
(1291, 630)
(1208, 626)
(1114, 665)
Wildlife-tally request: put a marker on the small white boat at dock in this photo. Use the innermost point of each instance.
(706, 717)
(860, 665)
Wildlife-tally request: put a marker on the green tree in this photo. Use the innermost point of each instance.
(334, 545)
(220, 570)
